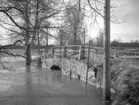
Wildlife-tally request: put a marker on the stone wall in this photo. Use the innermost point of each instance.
(77, 67)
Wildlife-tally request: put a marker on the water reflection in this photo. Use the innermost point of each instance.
(55, 79)
(57, 76)
(28, 79)
(47, 83)
(106, 103)
(29, 88)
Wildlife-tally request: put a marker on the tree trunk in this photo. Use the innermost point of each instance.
(84, 36)
(75, 38)
(37, 33)
(27, 38)
(28, 55)
(46, 40)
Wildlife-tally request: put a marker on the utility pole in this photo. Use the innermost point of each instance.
(106, 65)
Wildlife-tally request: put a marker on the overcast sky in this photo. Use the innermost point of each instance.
(125, 31)
(130, 29)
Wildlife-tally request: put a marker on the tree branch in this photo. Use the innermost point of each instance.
(15, 55)
(94, 9)
(4, 67)
(9, 45)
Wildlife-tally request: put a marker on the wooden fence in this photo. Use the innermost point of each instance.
(81, 51)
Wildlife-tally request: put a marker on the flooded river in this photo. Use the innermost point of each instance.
(35, 86)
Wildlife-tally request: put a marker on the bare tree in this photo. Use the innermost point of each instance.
(106, 69)
(62, 37)
(74, 23)
(98, 11)
(100, 39)
(28, 18)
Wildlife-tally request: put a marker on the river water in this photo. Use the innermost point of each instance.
(41, 86)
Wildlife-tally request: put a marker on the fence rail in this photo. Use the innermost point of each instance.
(75, 51)
(81, 51)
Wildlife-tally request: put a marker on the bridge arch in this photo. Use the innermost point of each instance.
(55, 68)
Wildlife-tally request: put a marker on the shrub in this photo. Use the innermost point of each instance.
(127, 85)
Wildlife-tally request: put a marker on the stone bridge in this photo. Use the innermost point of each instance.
(77, 62)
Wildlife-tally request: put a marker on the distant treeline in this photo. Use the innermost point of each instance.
(125, 44)
(115, 43)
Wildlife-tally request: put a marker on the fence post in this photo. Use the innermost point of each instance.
(115, 55)
(53, 51)
(40, 62)
(81, 52)
(64, 51)
(88, 58)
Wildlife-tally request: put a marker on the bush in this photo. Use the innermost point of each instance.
(127, 84)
